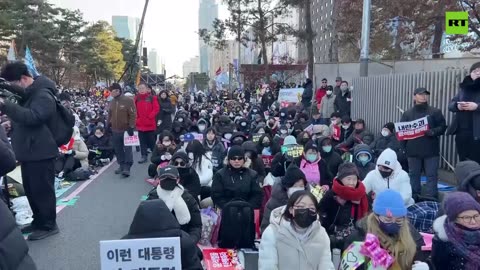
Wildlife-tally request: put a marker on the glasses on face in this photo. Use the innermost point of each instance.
(179, 164)
(399, 221)
(313, 210)
(236, 158)
(468, 219)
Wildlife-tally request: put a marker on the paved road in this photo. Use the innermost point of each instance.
(103, 211)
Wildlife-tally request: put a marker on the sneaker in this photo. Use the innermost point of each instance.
(126, 173)
(28, 229)
(105, 160)
(118, 171)
(142, 160)
(42, 234)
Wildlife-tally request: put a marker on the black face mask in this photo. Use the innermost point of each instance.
(358, 130)
(168, 184)
(183, 171)
(266, 144)
(305, 141)
(385, 174)
(304, 217)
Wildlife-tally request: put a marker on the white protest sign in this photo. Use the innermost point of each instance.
(152, 253)
(131, 140)
(412, 130)
(290, 95)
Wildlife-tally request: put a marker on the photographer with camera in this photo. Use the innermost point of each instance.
(34, 144)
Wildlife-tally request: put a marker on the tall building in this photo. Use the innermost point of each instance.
(207, 13)
(154, 62)
(190, 66)
(285, 49)
(126, 27)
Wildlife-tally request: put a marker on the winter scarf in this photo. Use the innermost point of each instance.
(174, 201)
(466, 242)
(355, 195)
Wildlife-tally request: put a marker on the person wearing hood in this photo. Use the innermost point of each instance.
(303, 138)
(267, 99)
(281, 161)
(153, 219)
(364, 160)
(236, 181)
(122, 116)
(179, 201)
(396, 235)
(294, 180)
(343, 205)
(307, 94)
(313, 166)
(343, 101)
(256, 162)
(178, 129)
(202, 125)
(202, 164)
(386, 140)
(302, 120)
(34, 146)
(162, 153)
(256, 110)
(331, 158)
(389, 175)
(238, 138)
(164, 117)
(360, 135)
(214, 149)
(75, 157)
(466, 122)
(283, 117)
(188, 176)
(146, 123)
(327, 106)
(456, 244)
(424, 152)
(266, 147)
(295, 239)
(99, 142)
(281, 134)
(467, 174)
(243, 126)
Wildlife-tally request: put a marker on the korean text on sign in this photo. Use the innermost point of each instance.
(412, 130)
(141, 254)
(225, 259)
(131, 140)
(293, 150)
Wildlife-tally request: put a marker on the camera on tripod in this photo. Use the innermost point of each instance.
(10, 92)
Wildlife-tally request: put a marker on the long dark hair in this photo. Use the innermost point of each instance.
(297, 196)
(196, 148)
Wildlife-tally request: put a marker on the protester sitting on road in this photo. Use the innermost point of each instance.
(359, 136)
(467, 174)
(163, 152)
(100, 147)
(153, 219)
(456, 244)
(363, 159)
(188, 176)
(235, 181)
(331, 158)
(313, 166)
(295, 239)
(202, 166)
(389, 175)
(343, 205)
(396, 235)
(386, 140)
(214, 148)
(76, 155)
(255, 162)
(294, 180)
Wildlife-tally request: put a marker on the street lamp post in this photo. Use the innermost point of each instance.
(364, 52)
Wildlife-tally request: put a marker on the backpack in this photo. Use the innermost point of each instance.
(79, 174)
(237, 228)
(62, 126)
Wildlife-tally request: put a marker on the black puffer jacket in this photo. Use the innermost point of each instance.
(279, 198)
(332, 158)
(165, 114)
(32, 139)
(190, 180)
(218, 153)
(381, 143)
(14, 255)
(465, 172)
(103, 143)
(466, 121)
(154, 220)
(7, 157)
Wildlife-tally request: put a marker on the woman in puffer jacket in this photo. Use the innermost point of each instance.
(313, 166)
(202, 165)
(163, 152)
(295, 239)
(256, 164)
(214, 148)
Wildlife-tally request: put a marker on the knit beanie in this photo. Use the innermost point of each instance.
(346, 169)
(236, 151)
(390, 126)
(389, 203)
(474, 66)
(181, 155)
(289, 140)
(292, 175)
(458, 202)
(310, 146)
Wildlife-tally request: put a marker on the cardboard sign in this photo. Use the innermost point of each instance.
(152, 253)
(412, 130)
(267, 160)
(351, 257)
(336, 131)
(290, 95)
(293, 150)
(219, 258)
(131, 140)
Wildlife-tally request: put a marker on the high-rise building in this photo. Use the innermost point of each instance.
(154, 62)
(207, 13)
(126, 27)
(191, 66)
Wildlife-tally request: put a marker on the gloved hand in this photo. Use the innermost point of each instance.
(130, 132)
(420, 266)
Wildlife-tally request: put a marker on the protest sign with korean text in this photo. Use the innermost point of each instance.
(141, 253)
(290, 95)
(412, 130)
(292, 150)
(267, 160)
(219, 258)
(131, 140)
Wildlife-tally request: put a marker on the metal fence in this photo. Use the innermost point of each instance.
(381, 99)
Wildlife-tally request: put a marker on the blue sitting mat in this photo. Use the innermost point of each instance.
(441, 187)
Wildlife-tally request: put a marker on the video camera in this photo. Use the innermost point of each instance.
(10, 92)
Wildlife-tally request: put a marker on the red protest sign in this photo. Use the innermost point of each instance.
(412, 130)
(336, 132)
(220, 258)
(267, 160)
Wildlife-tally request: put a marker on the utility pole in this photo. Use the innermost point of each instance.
(364, 52)
(239, 33)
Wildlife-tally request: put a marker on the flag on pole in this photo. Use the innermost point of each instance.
(30, 63)
(12, 54)
(219, 71)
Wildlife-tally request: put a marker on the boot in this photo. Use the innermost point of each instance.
(119, 170)
(142, 160)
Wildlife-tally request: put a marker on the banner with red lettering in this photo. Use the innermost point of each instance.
(220, 258)
(267, 160)
(412, 130)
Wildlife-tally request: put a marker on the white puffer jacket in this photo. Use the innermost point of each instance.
(398, 181)
(205, 171)
(281, 249)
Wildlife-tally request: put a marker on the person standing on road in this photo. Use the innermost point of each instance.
(307, 94)
(121, 118)
(424, 152)
(327, 106)
(343, 101)
(466, 123)
(164, 117)
(147, 110)
(34, 145)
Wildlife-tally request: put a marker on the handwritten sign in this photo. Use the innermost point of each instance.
(412, 130)
(218, 258)
(290, 95)
(267, 160)
(336, 131)
(152, 253)
(351, 257)
(293, 150)
(131, 140)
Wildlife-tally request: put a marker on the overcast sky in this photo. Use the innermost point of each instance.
(170, 25)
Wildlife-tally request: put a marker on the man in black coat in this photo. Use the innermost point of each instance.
(424, 152)
(34, 145)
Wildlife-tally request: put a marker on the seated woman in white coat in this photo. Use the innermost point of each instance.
(295, 239)
(202, 164)
(389, 175)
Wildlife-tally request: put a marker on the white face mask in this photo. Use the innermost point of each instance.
(292, 190)
(201, 128)
(385, 133)
(228, 136)
(329, 92)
